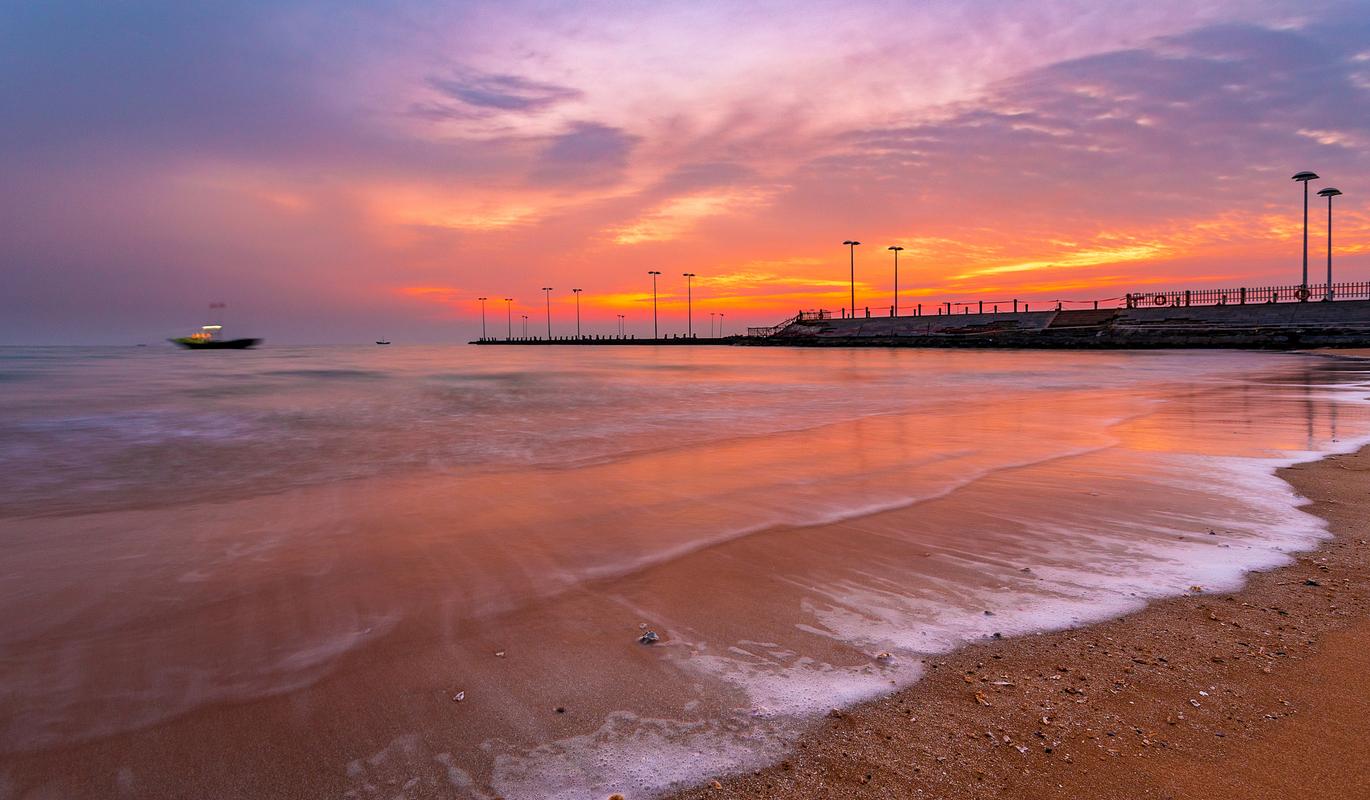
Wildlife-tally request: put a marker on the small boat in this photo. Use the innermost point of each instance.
(194, 343)
(207, 339)
(382, 341)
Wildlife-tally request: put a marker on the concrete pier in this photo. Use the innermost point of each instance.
(1344, 323)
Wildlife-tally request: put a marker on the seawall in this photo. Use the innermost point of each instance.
(1265, 325)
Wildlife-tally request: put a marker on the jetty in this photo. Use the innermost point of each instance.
(1261, 318)
(1270, 317)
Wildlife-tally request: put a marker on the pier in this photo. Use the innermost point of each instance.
(1244, 318)
(1268, 317)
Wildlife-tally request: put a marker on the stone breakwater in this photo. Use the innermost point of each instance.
(1265, 325)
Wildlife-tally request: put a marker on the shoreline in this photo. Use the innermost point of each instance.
(1254, 693)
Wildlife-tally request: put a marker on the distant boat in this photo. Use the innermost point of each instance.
(195, 342)
(382, 341)
(207, 339)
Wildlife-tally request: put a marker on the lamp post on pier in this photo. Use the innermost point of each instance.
(1304, 178)
(509, 318)
(620, 325)
(720, 324)
(525, 325)
(851, 247)
(689, 304)
(547, 293)
(712, 314)
(896, 248)
(577, 294)
(482, 317)
(654, 273)
(1329, 193)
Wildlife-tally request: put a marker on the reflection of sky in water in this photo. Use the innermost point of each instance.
(88, 429)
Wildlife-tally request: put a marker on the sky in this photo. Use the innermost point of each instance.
(336, 172)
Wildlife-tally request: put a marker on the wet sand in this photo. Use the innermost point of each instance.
(1260, 693)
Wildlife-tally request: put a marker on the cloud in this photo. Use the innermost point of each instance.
(588, 154)
(484, 93)
(1183, 127)
(680, 214)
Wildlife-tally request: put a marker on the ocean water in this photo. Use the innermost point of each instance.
(326, 545)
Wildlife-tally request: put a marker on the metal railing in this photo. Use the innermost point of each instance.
(1249, 295)
(771, 330)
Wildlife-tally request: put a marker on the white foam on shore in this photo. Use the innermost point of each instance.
(1262, 524)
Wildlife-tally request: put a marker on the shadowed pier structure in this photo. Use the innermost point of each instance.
(1274, 325)
(1278, 317)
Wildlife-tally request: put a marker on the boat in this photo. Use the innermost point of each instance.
(193, 343)
(207, 339)
(382, 341)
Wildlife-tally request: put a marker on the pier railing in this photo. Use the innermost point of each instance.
(771, 330)
(1245, 295)
(1249, 295)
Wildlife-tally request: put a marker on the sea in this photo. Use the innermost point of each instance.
(427, 571)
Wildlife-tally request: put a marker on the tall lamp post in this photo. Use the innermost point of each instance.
(654, 273)
(509, 318)
(712, 314)
(620, 324)
(525, 325)
(547, 293)
(851, 246)
(720, 324)
(577, 294)
(1329, 193)
(1304, 178)
(482, 317)
(689, 304)
(896, 248)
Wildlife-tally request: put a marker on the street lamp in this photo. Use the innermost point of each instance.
(851, 246)
(482, 317)
(720, 324)
(547, 293)
(509, 318)
(896, 248)
(1329, 193)
(712, 314)
(577, 294)
(1304, 178)
(620, 324)
(689, 304)
(654, 273)
(525, 325)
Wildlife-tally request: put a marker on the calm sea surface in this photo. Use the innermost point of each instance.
(326, 545)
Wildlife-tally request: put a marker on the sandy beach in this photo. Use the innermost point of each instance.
(1263, 692)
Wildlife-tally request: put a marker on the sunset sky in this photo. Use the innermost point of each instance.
(340, 171)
